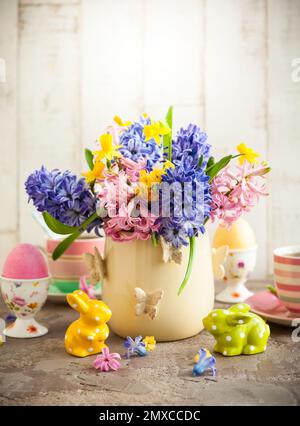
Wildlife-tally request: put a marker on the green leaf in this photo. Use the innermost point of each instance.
(167, 142)
(66, 242)
(89, 220)
(167, 139)
(189, 266)
(210, 162)
(214, 169)
(200, 161)
(272, 289)
(169, 117)
(58, 227)
(62, 247)
(154, 239)
(89, 158)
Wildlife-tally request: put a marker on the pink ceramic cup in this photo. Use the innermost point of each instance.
(287, 276)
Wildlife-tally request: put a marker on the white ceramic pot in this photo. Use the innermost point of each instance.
(136, 277)
(24, 298)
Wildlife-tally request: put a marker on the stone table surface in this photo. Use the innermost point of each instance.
(40, 372)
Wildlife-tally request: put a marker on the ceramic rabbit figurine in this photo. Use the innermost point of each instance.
(237, 331)
(86, 336)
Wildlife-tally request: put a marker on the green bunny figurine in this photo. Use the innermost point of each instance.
(237, 331)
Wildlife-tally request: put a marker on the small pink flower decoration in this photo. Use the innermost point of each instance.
(88, 289)
(19, 301)
(107, 361)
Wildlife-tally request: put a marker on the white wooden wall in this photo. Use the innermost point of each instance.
(71, 65)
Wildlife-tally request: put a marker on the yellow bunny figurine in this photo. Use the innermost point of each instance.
(86, 336)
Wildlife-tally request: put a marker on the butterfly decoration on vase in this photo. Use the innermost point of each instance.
(147, 303)
(95, 266)
(170, 253)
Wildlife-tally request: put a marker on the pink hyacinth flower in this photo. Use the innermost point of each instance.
(125, 227)
(234, 193)
(115, 191)
(133, 168)
(107, 361)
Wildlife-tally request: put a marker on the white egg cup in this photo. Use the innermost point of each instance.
(25, 298)
(238, 267)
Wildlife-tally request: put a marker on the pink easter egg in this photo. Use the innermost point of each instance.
(25, 261)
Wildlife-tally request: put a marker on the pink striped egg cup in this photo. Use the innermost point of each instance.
(287, 276)
(67, 270)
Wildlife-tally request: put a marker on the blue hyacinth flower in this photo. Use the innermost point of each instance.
(206, 362)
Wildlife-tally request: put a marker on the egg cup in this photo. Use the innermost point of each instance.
(24, 298)
(238, 267)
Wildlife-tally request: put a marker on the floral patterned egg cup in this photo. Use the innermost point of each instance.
(24, 298)
(238, 267)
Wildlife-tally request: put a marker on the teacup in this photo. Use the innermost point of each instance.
(24, 298)
(287, 276)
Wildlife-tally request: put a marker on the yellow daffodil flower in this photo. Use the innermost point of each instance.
(150, 343)
(168, 165)
(147, 182)
(247, 154)
(96, 173)
(196, 357)
(151, 178)
(109, 150)
(145, 178)
(120, 122)
(156, 175)
(155, 131)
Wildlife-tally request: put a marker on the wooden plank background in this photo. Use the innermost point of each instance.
(71, 65)
(9, 157)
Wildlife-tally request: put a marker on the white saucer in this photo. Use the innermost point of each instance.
(268, 306)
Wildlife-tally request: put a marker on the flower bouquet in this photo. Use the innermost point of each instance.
(145, 183)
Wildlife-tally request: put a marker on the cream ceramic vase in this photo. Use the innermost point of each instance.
(136, 277)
